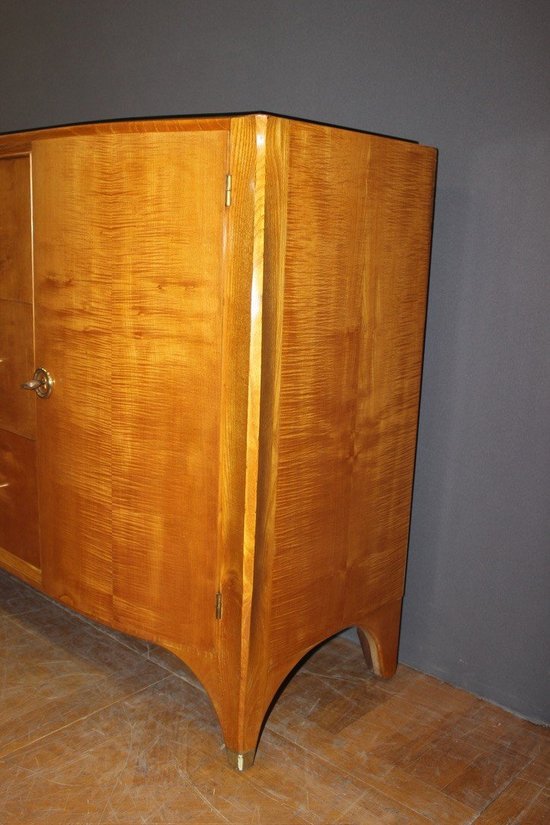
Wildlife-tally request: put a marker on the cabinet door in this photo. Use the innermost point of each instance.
(128, 250)
(19, 539)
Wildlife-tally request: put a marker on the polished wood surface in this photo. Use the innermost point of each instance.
(239, 420)
(19, 531)
(21, 143)
(348, 236)
(17, 364)
(73, 300)
(225, 464)
(166, 384)
(15, 229)
(131, 434)
(111, 730)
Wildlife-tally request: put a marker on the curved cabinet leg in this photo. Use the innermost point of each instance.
(242, 722)
(379, 636)
(241, 727)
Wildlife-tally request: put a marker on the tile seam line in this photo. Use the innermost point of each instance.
(505, 788)
(353, 776)
(7, 756)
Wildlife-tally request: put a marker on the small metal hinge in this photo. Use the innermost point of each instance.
(218, 605)
(228, 184)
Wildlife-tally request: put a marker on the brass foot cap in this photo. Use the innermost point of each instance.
(240, 761)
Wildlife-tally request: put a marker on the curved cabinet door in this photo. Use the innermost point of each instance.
(129, 233)
(19, 535)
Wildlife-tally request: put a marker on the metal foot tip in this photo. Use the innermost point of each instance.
(240, 761)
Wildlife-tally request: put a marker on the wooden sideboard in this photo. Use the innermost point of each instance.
(218, 453)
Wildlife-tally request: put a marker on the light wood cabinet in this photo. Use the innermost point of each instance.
(232, 312)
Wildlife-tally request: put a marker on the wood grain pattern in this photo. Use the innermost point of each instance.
(19, 534)
(129, 291)
(73, 299)
(166, 355)
(111, 729)
(18, 407)
(17, 412)
(237, 491)
(342, 389)
(324, 262)
(389, 359)
(15, 230)
(236, 386)
(276, 193)
(19, 143)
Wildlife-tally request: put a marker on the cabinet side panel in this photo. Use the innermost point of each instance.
(398, 228)
(325, 251)
(357, 243)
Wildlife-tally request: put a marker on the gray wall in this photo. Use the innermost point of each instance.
(473, 79)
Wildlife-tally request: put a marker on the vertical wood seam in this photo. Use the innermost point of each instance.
(253, 407)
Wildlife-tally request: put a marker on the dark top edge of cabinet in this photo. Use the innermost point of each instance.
(202, 116)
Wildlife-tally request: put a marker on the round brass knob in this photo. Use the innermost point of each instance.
(41, 382)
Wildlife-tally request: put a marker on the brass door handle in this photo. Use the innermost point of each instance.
(41, 382)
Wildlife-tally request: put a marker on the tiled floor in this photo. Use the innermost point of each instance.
(97, 728)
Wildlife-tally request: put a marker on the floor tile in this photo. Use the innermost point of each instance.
(442, 759)
(516, 799)
(287, 784)
(375, 808)
(423, 798)
(68, 671)
(486, 777)
(17, 598)
(538, 769)
(99, 728)
(509, 731)
(130, 760)
(537, 812)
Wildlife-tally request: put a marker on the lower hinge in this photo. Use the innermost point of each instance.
(218, 605)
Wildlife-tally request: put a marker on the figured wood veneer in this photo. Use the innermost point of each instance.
(19, 531)
(225, 464)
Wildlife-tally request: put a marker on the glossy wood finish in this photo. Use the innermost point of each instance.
(111, 730)
(236, 386)
(15, 230)
(19, 533)
(348, 230)
(239, 420)
(130, 436)
(18, 410)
